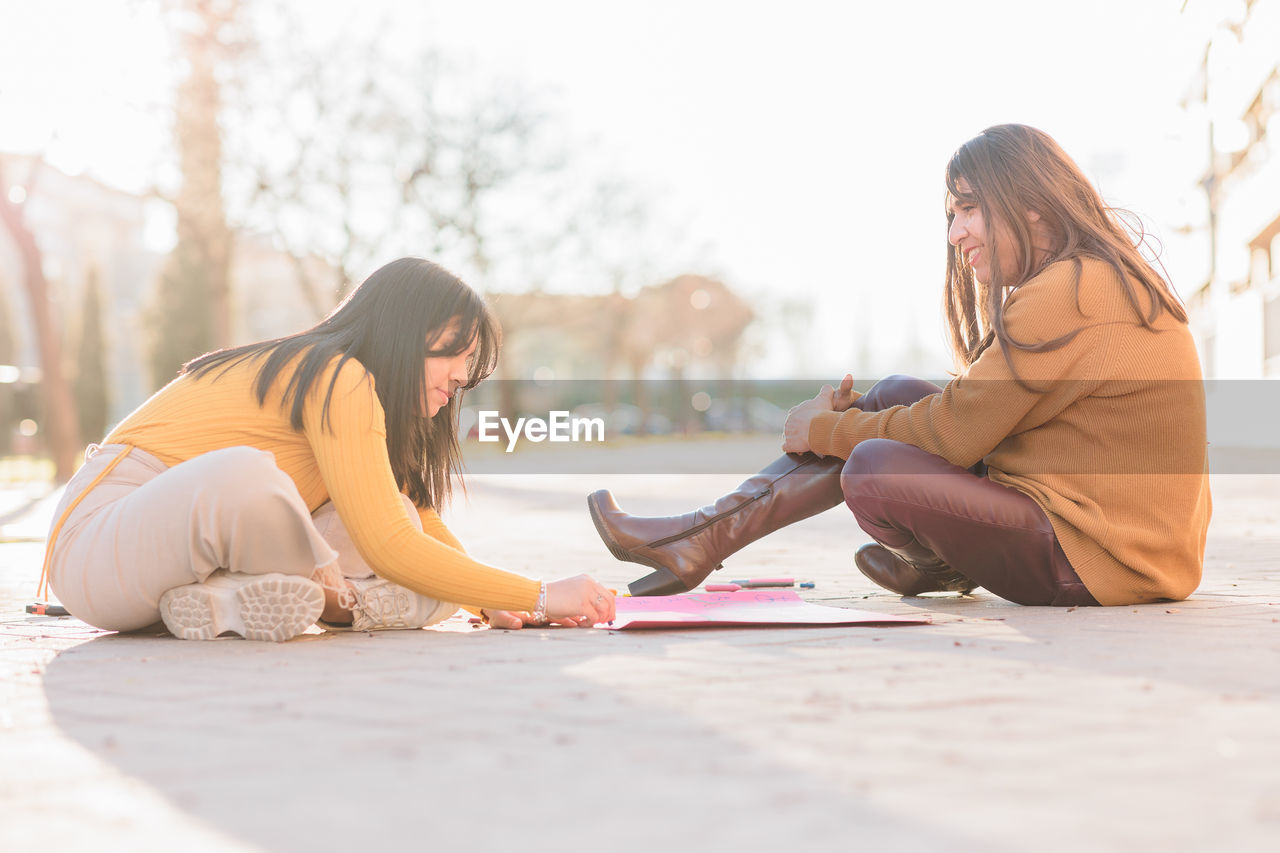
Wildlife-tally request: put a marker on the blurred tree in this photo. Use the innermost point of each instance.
(364, 159)
(91, 390)
(460, 177)
(59, 405)
(315, 154)
(350, 155)
(8, 342)
(192, 312)
(614, 233)
(180, 315)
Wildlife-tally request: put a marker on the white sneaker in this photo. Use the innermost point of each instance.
(271, 607)
(380, 605)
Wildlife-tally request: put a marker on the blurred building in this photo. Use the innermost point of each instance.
(687, 327)
(639, 354)
(84, 227)
(1236, 312)
(268, 287)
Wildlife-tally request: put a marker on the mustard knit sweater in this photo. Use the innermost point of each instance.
(1109, 437)
(343, 460)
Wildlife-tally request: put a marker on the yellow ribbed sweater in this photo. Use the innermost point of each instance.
(343, 460)
(1109, 439)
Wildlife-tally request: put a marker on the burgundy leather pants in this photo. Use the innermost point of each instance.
(924, 509)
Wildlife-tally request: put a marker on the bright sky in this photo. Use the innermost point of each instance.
(801, 144)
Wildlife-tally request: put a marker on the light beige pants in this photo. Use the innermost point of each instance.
(147, 528)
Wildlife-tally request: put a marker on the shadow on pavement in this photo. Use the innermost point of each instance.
(438, 738)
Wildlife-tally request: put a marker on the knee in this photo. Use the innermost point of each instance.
(876, 467)
(896, 390)
(869, 460)
(327, 520)
(250, 476)
(899, 380)
(243, 466)
(875, 455)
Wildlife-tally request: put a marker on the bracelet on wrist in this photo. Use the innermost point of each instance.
(540, 609)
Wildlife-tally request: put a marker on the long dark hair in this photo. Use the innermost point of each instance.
(1011, 169)
(385, 325)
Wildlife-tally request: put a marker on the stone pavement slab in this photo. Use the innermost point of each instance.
(997, 727)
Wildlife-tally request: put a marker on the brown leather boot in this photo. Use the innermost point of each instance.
(909, 577)
(684, 549)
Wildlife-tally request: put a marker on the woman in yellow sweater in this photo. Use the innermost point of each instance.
(1065, 464)
(297, 479)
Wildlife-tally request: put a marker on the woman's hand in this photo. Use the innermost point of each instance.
(513, 620)
(577, 602)
(509, 619)
(844, 396)
(580, 601)
(795, 432)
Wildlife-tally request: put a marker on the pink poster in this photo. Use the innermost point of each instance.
(760, 607)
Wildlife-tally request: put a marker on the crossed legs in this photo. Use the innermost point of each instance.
(931, 513)
(146, 530)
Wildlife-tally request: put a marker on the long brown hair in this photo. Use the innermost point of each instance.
(1011, 169)
(385, 325)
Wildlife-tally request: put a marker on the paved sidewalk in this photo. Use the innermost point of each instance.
(995, 728)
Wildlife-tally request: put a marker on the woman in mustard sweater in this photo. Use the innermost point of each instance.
(297, 479)
(1065, 464)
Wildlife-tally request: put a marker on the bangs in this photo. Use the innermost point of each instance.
(488, 337)
(955, 174)
(477, 324)
(958, 169)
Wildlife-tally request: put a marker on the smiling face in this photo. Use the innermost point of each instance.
(443, 375)
(970, 233)
(978, 240)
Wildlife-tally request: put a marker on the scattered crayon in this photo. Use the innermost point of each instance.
(756, 583)
(807, 585)
(722, 587)
(47, 609)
